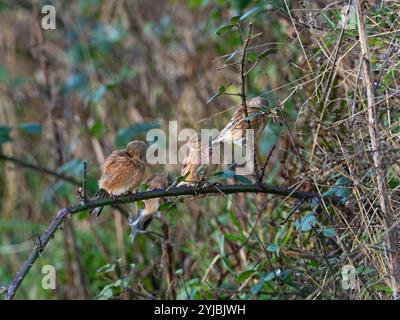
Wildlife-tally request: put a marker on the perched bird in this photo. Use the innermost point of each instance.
(235, 130)
(122, 171)
(145, 216)
(197, 164)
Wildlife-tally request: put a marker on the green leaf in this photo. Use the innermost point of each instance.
(235, 19)
(144, 187)
(252, 57)
(167, 206)
(75, 81)
(332, 24)
(225, 28)
(105, 294)
(5, 134)
(61, 189)
(389, 77)
(225, 259)
(341, 189)
(97, 94)
(329, 232)
(226, 174)
(284, 274)
(235, 220)
(140, 205)
(179, 272)
(271, 275)
(31, 128)
(306, 223)
(265, 278)
(126, 73)
(221, 89)
(313, 264)
(96, 129)
(73, 167)
(266, 53)
(91, 184)
(273, 247)
(110, 267)
(243, 179)
(235, 237)
(4, 74)
(112, 289)
(245, 275)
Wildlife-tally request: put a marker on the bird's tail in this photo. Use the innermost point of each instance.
(99, 195)
(140, 223)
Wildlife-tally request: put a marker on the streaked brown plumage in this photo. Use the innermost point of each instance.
(150, 210)
(122, 171)
(235, 130)
(197, 164)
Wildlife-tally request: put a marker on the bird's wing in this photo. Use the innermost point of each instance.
(227, 132)
(121, 173)
(235, 129)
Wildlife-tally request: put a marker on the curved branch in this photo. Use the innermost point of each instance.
(156, 193)
(37, 168)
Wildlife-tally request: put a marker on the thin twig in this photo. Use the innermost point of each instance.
(37, 168)
(331, 78)
(243, 95)
(266, 163)
(157, 193)
(43, 240)
(84, 189)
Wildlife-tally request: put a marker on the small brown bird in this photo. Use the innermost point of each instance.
(197, 164)
(235, 130)
(122, 171)
(145, 216)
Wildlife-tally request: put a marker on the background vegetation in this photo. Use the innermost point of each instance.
(114, 69)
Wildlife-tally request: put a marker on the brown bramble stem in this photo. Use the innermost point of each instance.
(243, 95)
(291, 192)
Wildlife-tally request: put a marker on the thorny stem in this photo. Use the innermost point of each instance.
(243, 75)
(84, 194)
(157, 193)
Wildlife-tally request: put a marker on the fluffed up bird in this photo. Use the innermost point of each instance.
(145, 216)
(235, 130)
(122, 171)
(197, 163)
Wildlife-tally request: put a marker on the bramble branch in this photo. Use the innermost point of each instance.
(156, 193)
(40, 169)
